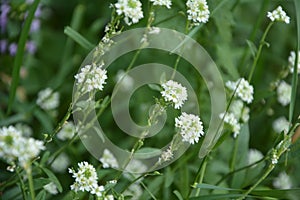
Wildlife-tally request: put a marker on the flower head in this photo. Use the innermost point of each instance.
(198, 11)
(166, 3)
(232, 122)
(91, 77)
(254, 155)
(284, 91)
(292, 59)
(166, 155)
(132, 10)
(108, 160)
(190, 127)
(239, 110)
(67, 131)
(279, 15)
(174, 92)
(51, 188)
(243, 89)
(47, 99)
(283, 181)
(281, 124)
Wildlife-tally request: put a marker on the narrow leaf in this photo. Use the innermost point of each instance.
(78, 38)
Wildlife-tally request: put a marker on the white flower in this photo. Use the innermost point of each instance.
(67, 131)
(127, 82)
(109, 197)
(292, 59)
(174, 92)
(284, 91)
(166, 3)
(232, 121)
(278, 15)
(281, 124)
(98, 190)
(85, 178)
(132, 10)
(283, 181)
(198, 11)
(239, 110)
(253, 156)
(24, 128)
(61, 163)
(91, 77)
(134, 169)
(154, 30)
(108, 160)
(190, 127)
(166, 155)
(51, 188)
(244, 90)
(47, 99)
(15, 147)
(134, 191)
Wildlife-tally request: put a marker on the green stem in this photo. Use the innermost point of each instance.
(30, 181)
(20, 54)
(233, 159)
(261, 44)
(202, 172)
(270, 168)
(23, 189)
(175, 66)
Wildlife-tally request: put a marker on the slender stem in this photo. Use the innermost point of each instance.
(233, 159)
(261, 44)
(175, 66)
(202, 172)
(270, 168)
(30, 181)
(23, 189)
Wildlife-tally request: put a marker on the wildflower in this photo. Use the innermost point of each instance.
(15, 147)
(239, 110)
(24, 129)
(31, 47)
(3, 46)
(253, 156)
(281, 124)
(85, 178)
(5, 8)
(166, 155)
(232, 122)
(166, 3)
(198, 11)
(174, 92)
(108, 160)
(274, 157)
(61, 163)
(134, 169)
(35, 25)
(92, 77)
(132, 10)
(67, 131)
(243, 89)
(278, 15)
(127, 82)
(47, 99)
(283, 181)
(292, 59)
(51, 188)
(98, 190)
(134, 191)
(190, 127)
(284, 91)
(13, 49)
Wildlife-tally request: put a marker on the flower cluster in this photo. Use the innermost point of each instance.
(108, 160)
(190, 127)
(198, 11)
(281, 124)
(91, 77)
(243, 89)
(166, 155)
(283, 181)
(166, 3)
(174, 92)
(67, 131)
(134, 191)
(292, 59)
(279, 15)
(254, 155)
(47, 99)
(15, 147)
(230, 119)
(284, 91)
(132, 10)
(86, 179)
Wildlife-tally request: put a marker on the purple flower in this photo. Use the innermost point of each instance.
(13, 49)
(35, 26)
(5, 8)
(3, 46)
(31, 47)
(38, 12)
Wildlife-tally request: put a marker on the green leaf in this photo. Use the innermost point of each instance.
(178, 195)
(53, 178)
(154, 87)
(78, 38)
(44, 119)
(40, 182)
(41, 195)
(213, 187)
(147, 152)
(252, 47)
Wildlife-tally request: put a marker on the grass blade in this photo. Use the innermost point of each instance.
(78, 38)
(20, 54)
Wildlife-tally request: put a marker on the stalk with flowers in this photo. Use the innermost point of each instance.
(43, 143)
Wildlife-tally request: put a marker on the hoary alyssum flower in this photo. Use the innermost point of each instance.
(47, 99)
(281, 124)
(67, 131)
(232, 122)
(283, 181)
(254, 155)
(284, 91)
(278, 15)
(244, 90)
(292, 59)
(166, 3)
(190, 127)
(132, 10)
(108, 160)
(91, 77)
(86, 179)
(197, 11)
(174, 92)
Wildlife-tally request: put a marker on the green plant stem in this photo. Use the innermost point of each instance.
(20, 54)
(261, 44)
(201, 175)
(270, 168)
(233, 159)
(30, 181)
(23, 189)
(175, 66)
